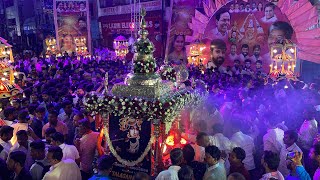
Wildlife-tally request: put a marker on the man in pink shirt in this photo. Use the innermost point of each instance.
(87, 146)
(53, 122)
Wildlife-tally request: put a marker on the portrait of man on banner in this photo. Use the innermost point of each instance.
(71, 23)
(222, 21)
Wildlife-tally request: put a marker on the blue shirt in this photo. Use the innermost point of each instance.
(301, 174)
(99, 177)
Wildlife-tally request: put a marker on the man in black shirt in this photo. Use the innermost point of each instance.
(15, 163)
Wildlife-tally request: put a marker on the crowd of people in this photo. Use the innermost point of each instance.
(46, 132)
(250, 127)
(247, 129)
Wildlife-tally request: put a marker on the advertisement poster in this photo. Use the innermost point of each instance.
(113, 26)
(243, 26)
(129, 138)
(72, 25)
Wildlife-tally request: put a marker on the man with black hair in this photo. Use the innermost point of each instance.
(23, 144)
(315, 155)
(61, 170)
(247, 68)
(38, 121)
(216, 169)
(242, 140)
(273, 139)
(256, 53)
(233, 53)
(16, 163)
(67, 118)
(259, 68)
(4, 171)
(22, 124)
(86, 146)
(176, 157)
(58, 125)
(198, 168)
(236, 176)
(290, 138)
(236, 158)
(309, 127)
(9, 115)
(270, 161)
(75, 121)
(6, 133)
(218, 52)
(278, 32)
(269, 16)
(105, 164)
(41, 165)
(47, 136)
(69, 151)
(244, 52)
(186, 173)
(222, 24)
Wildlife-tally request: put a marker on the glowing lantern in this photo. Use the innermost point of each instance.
(120, 44)
(284, 55)
(51, 44)
(196, 53)
(81, 45)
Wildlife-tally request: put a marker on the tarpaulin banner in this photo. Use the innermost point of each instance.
(72, 24)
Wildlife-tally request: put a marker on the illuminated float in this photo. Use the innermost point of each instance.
(51, 45)
(121, 46)
(139, 113)
(81, 45)
(8, 88)
(284, 56)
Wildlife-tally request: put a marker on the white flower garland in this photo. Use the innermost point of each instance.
(123, 161)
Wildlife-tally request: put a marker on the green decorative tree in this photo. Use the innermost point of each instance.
(144, 62)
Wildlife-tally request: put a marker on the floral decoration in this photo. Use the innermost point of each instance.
(166, 109)
(144, 46)
(168, 74)
(144, 67)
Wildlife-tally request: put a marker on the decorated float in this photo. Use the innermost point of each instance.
(139, 116)
(7, 86)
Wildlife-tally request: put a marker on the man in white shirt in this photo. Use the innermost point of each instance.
(216, 169)
(270, 162)
(256, 53)
(273, 139)
(6, 133)
(309, 128)
(22, 124)
(222, 22)
(269, 16)
(61, 170)
(176, 157)
(233, 53)
(242, 140)
(69, 151)
(290, 139)
(244, 52)
(41, 165)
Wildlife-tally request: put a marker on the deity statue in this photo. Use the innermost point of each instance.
(253, 33)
